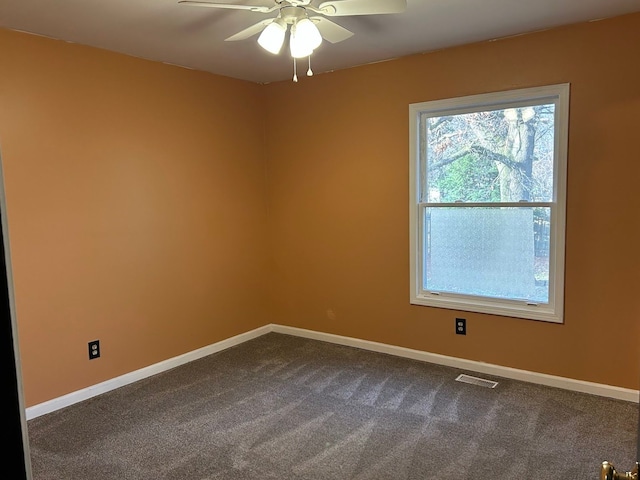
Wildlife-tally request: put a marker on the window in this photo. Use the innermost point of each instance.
(487, 202)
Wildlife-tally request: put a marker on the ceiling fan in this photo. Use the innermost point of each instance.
(306, 32)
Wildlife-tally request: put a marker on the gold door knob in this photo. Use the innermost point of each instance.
(608, 472)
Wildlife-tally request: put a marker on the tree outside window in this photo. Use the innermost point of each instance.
(487, 202)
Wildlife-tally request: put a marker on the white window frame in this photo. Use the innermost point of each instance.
(553, 311)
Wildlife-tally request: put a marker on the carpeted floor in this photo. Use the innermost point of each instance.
(282, 407)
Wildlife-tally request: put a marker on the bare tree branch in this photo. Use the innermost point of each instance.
(451, 159)
(496, 157)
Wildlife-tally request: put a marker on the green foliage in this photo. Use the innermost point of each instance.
(470, 179)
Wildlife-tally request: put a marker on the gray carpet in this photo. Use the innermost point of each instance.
(282, 407)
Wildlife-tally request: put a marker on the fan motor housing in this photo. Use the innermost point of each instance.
(291, 14)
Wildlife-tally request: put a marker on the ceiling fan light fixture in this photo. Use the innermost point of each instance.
(272, 37)
(305, 38)
(307, 31)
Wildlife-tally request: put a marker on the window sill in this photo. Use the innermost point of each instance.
(505, 308)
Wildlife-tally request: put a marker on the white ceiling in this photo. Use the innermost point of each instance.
(194, 37)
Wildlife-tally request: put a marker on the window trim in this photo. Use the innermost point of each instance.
(554, 310)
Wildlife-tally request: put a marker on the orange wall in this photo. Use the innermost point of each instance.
(137, 204)
(136, 207)
(338, 196)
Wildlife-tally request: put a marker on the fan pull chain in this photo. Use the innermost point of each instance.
(309, 72)
(295, 73)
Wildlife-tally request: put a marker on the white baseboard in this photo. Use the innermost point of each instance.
(92, 391)
(469, 365)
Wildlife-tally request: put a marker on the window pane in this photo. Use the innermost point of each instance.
(493, 252)
(501, 155)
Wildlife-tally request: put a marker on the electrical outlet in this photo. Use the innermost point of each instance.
(461, 326)
(94, 349)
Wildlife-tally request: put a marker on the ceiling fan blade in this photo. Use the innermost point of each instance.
(330, 31)
(362, 7)
(250, 31)
(233, 6)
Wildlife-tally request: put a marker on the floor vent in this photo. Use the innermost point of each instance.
(481, 382)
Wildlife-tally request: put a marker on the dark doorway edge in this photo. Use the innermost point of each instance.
(18, 459)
